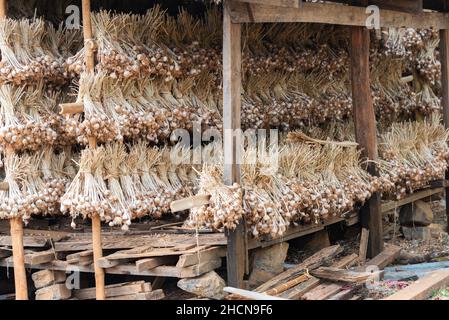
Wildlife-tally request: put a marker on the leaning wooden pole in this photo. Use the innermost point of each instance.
(232, 65)
(16, 228)
(96, 222)
(444, 57)
(365, 130)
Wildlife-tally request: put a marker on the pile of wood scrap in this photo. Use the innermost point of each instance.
(319, 277)
(51, 285)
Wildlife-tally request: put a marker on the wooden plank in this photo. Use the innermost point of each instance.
(78, 255)
(363, 245)
(331, 13)
(153, 295)
(342, 275)
(191, 259)
(39, 257)
(297, 292)
(113, 290)
(54, 292)
(423, 288)
(114, 241)
(45, 278)
(28, 241)
(150, 252)
(294, 232)
(342, 295)
(346, 262)
(312, 262)
(189, 203)
(5, 252)
(322, 292)
(151, 263)
(251, 295)
(397, 5)
(232, 83)
(365, 130)
(130, 269)
(392, 205)
(8, 296)
(386, 257)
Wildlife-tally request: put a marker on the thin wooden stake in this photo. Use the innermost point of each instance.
(96, 221)
(20, 279)
(88, 40)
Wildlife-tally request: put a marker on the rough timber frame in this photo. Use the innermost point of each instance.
(400, 13)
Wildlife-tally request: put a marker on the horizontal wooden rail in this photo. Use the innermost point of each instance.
(257, 11)
(71, 108)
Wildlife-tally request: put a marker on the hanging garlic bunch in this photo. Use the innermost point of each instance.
(23, 126)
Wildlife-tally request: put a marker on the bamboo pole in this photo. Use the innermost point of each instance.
(20, 280)
(16, 228)
(96, 222)
(3, 8)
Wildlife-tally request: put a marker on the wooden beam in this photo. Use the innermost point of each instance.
(336, 274)
(423, 288)
(444, 58)
(232, 77)
(189, 203)
(364, 237)
(365, 130)
(332, 13)
(71, 108)
(392, 205)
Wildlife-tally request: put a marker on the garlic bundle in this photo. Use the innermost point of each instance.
(309, 183)
(121, 183)
(24, 125)
(33, 50)
(413, 154)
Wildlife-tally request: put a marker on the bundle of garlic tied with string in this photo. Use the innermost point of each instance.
(24, 119)
(36, 183)
(117, 110)
(33, 50)
(121, 183)
(412, 155)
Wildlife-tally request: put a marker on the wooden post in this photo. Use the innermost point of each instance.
(96, 221)
(20, 279)
(88, 40)
(444, 57)
(365, 130)
(16, 228)
(232, 65)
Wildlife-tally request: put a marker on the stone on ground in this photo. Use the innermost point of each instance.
(209, 285)
(417, 233)
(418, 214)
(267, 262)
